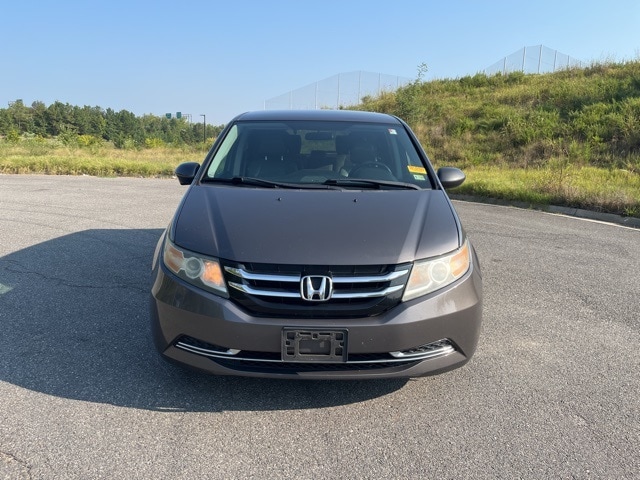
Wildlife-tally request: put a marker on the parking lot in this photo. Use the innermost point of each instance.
(552, 392)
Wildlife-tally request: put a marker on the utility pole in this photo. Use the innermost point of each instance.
(204, 129)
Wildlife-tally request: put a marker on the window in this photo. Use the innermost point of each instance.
(304, 152)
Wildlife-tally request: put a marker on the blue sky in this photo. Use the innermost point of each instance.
(220, 58)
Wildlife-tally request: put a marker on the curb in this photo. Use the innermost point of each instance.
(631, 222)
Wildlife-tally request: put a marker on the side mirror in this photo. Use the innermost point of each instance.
(451, 177)
(186, 172)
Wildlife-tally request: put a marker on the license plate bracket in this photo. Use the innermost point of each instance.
(314, 345)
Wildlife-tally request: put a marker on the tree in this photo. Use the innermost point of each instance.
(21, 116)
(6, 122)
(122, 128)
(39, 115)
(59, 118)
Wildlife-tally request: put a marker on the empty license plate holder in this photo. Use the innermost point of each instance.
(314, 345)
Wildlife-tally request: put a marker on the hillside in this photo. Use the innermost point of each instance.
(560, 138)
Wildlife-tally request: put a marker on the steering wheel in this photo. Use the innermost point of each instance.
(379, 165)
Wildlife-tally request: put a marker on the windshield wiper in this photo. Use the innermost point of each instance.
(327, 184)
(251, 181)
(259, 182)
(373, 184)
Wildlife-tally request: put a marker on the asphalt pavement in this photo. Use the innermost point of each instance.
(552, 392)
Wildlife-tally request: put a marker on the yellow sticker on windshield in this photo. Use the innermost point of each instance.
(414, 169)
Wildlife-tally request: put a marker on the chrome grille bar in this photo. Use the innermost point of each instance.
(241, 273)
(261, 292)
(337, 295)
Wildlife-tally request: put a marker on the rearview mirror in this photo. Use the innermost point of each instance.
(318, 136)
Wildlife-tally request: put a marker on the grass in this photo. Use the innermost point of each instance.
(53, 158)
(591, 188)
(557, 182)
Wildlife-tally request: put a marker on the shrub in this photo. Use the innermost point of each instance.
(13, 136)
(88, 141)
(154, 143)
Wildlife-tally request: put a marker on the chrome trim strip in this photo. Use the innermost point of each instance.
(372, 279)
(263, 293)
(215, 354)
(248, 289)
(239, 272)
(377, 293)
(440, 350)
(206, 351)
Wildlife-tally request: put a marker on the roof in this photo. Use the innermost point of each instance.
(326, 115)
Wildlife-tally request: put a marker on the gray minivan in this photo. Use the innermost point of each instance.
(316, 244)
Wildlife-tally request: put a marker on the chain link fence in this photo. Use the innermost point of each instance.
(338, 91)
(535, 59)
(345, 89)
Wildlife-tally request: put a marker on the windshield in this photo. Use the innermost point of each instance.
(319, 152)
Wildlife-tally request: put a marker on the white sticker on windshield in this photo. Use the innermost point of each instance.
(392, 131)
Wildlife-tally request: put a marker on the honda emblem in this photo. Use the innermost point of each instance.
(316, 288)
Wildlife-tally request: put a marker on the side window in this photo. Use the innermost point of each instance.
(219, 162)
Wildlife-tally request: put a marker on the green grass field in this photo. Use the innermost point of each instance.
(609, 190)
(50, 157)
(591, 188)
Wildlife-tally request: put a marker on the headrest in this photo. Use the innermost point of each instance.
(294, 144)
(342, 144)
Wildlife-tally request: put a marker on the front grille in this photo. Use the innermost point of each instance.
(276, 290)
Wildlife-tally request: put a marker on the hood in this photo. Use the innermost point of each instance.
(315, 227)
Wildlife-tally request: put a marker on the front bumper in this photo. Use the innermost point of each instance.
(221, 338)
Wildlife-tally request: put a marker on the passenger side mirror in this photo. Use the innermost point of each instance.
(451, 177)
(186, 172)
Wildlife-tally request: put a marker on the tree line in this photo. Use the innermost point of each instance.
(121, 128)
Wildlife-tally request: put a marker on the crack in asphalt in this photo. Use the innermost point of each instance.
(7, 458)
(22, 270)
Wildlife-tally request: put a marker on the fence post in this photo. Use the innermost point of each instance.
(539, 59)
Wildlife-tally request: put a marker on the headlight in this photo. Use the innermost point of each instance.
(435, 273)
(203, 272)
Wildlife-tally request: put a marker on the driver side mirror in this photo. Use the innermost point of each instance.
(186, 172)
